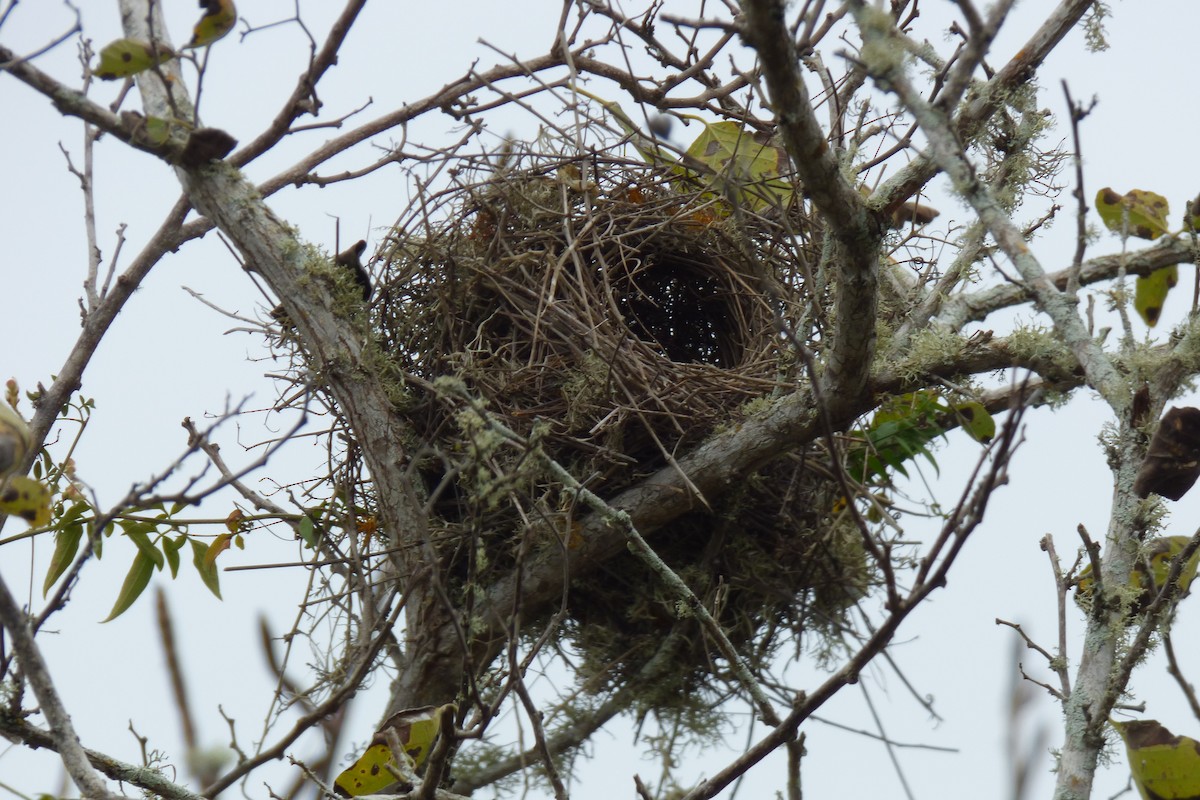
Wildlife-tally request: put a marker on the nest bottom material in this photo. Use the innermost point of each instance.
(762, 565)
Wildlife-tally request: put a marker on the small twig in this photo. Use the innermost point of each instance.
(871, 735)
(887, 743)
(539, 738)
(1078, 114)
(1029, 643)
(1062, 586)
(1175, 672)
(435, 765)
(1032, 645)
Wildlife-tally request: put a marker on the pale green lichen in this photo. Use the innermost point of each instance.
(756, 406)
(1186, 349)
(345, 291)
(585, 387)
(882, 53)
(1038, 345)
(930, 350)
(1093, 27)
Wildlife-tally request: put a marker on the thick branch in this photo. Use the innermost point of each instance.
(128, 127)
(62, 733)
(721, 463)
(853, 227)
(142, 777)
(976, 306)
(303, 99)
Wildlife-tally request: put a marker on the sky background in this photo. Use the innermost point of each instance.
(169, 357)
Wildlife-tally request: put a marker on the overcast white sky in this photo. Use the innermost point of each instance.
(167, 357)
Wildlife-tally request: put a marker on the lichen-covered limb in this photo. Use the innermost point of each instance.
(976, 306)
(1097, 684)
(143, 777)
(339, 351)
(945, 149)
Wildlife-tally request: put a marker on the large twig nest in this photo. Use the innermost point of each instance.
(627, 314)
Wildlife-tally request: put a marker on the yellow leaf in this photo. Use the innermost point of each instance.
(1163, 766)
(125, 58)
(976, 421)
(14, 439)
(1149, 572)
(218, 20)
(1151, 293)
(26, 498)
(749, 165)
(233, 523)
(218, 546)
(415, 728)
(1136, 213)
(368, 775)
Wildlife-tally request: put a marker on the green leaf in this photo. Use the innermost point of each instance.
(66, 545)
(125, 58)
(903, 429)
(308, 531)
(1151, 293)
(1135, 213)
(171, 548)
(26, 498)
(1162, 765)
(137, 534)
(208, 572)
(135, 583)
(976, 421)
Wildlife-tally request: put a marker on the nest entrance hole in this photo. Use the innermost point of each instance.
(685, 307)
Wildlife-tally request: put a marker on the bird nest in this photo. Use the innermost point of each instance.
(622, 313)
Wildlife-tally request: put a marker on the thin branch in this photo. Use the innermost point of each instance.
(62, 733)
(1078, 114)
